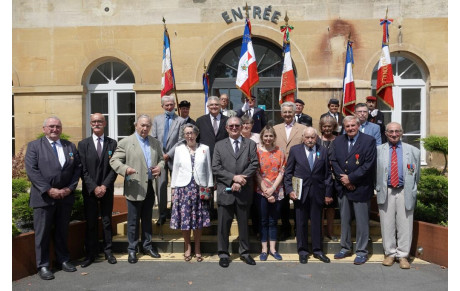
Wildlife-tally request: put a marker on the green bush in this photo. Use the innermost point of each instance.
(63, 136)
(438, 144)
(432, 199)
(20, 185)
(22, 213)
(430, 171)
(78, 208)
(15, 231)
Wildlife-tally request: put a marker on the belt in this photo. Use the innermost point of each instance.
(397, 187)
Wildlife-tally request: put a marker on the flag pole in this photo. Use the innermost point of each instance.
(174, 79)
(204, 77)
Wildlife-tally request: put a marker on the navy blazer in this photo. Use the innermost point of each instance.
(305, 119)
(317, 182)
(359, 165)
(95, 171)
(207, 135)
(45, 172)
(258, 116)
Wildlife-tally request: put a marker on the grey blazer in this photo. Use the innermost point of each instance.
(411, 156)
(225, 165)
(158, 128)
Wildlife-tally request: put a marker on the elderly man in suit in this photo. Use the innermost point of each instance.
(309, 161)
(224, 108)
(98, 186)
(289, 134)
(376, 116)
(53, 168)
(366, 127)
(398, 172)
(139, 158)
(257, 114)
(300, 117)
(234, 164)
(353, 157)
(333, 106)
(165, 128)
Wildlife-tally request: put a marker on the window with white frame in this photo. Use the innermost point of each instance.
(110, 92)
(409, 96)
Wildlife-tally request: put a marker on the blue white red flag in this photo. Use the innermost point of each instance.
(349, 90)
(288, 86)
(247, 76)
(385, 81)
(206, 91)
(167, 72)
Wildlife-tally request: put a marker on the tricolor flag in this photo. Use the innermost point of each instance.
(385, 71)
(288, 86)
(206, 91)
(247, 76)
(349, 90)
(167, 72)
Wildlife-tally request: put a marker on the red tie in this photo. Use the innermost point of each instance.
(394, 168)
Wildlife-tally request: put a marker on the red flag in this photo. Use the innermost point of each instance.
(349, 90)
(247, 76)
(385, 72)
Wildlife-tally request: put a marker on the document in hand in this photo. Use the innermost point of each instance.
(297, 186)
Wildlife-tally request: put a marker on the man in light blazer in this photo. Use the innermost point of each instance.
(139, 158)
(166, 129)
(257, 114)
(398, 172)
(98, 185)
(234, 164)
(53, 168)
(353, 157)
(309, 161)
(366, 127)
(289, 134)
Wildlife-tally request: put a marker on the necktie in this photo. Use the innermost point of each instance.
(166, 132)
(237, 148)
(99, 147)
(248, 112)
(350, 145)
(297, 117)
(394, 168)
(55, 149)
(214, 125)
(310, 157)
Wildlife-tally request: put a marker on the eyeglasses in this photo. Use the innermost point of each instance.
(394, 131)
(361, 111)
(97, 121)
(189, 133)
(54, 126)
(234, 126)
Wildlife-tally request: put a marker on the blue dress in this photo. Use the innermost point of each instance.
(188, 211)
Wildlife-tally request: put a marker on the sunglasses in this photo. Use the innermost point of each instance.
(234, 126)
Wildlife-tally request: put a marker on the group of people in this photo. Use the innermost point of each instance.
(254, 168)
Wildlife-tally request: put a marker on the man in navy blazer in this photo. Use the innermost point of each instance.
(353, 157)
(257, 114)
(53, 167)
(98, 186)
(309, 161)
(369, 128)
(300, 117)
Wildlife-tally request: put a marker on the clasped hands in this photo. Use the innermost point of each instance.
(56, 193)
(238, 182)
(156, 171)
(346, 182)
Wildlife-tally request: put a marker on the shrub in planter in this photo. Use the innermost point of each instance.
(19, 185)
(15, 231)
(432, 200)
(22, 214)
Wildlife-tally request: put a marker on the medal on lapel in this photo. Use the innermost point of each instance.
(71, 155)
(357, 159)
(317, 155)
(411, 168)
(110, 154)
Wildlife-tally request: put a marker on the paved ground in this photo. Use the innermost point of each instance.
(172, 273)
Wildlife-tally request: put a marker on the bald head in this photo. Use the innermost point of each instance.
(309, 137)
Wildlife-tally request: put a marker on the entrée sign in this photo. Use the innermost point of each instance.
(256, 11)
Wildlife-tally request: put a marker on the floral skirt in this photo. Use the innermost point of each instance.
(188, 211)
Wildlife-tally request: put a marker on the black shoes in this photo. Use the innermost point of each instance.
(68, 267)
(303, 259)
(248, 260)
(161, 220)
(224, 262)
(110, 258)
(45, 273)
(87, 262)
(153, 252)
(132, 258)
(322, 258)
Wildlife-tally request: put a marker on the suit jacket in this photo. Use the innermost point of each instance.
(374, 131)
(158, 128)
(183, 171)
(129, 154)
(258, 116)
(189, 120)
(339, 123)
(305, 119)
(207, 135)
(359, 165)
(96, 172)
(411, 156)
(316, 182)
(379, 120)
(295, 137)
(45, 171)
(225, 165)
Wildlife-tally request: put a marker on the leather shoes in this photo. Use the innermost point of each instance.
(224, 262)
(263, 256)
(153, 252)
(359, 260)
(342, 254)
(404, 263)
(303, 259)
(248, 260)
(322, 257)
(68, 267)
(110, 258)
(132, 258)
(161, 220)
(388, 261)
(87, 262)
(45, 273)
(276, 255)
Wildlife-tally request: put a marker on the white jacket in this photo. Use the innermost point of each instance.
(182, 169)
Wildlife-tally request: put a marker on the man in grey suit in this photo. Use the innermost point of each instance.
(398, 172)
(369, 128)
(139, 159)
(166, 129)
(234, 164)
(53, 167)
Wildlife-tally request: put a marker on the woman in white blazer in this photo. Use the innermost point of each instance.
(191, 169)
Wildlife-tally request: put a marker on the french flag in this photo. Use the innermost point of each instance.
(167, 72)
(206, 91)
(385, 81)
(349, 90)
(247, 76)
(288, 86)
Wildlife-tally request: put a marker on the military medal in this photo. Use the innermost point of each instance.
(411, 168)
(317, 155)
(71, 155)
(357, 159)
(110, 154)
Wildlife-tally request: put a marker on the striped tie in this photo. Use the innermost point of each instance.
(394, 179)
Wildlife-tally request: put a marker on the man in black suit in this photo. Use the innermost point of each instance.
(309, 161)
(234, 165)
(98, 186)
(257, 114)
(184, 111)
(353, 156)
(53, 167)
(333, 106)
(376, 116)
(300, 117)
